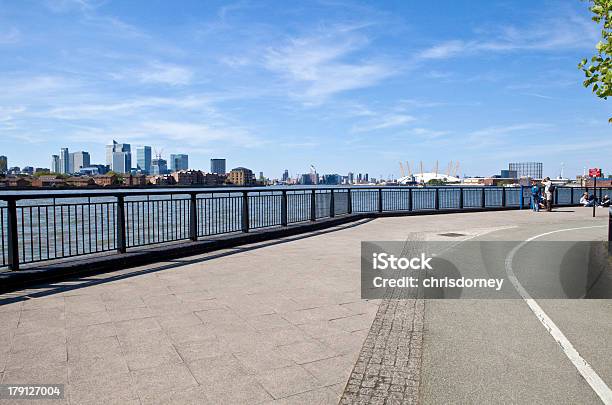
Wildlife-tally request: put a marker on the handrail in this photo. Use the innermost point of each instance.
(64, 228)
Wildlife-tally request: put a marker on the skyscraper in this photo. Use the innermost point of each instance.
(285, 175)
(159, 166)
(3, 164)
(179, 162)
(55, 163)
(64, 160)
(143, 159)
(217, 166)
(119, 157)
(79, 160)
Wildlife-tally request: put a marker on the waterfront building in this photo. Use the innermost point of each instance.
(55, 164)
(179, 162)
(533, 170)
(119, 157)
(135, 180)
(48, 181)
(332, 179)
(80, 181)
(285, 177)
(3, 164)
(159, 166)
(106, 180)
(27, 170)
(79, 160)
(161, 180)
(94, 170)
(351, 178)
(187, 177)
(241, 176)
(217, 166)
(143, 159)
(64, 161)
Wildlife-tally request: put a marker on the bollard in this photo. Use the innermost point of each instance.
(193, 217)
(245, 211)
(284, 220)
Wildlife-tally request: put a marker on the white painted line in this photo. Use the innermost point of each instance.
(584, 368)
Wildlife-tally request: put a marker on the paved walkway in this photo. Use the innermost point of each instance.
(276, 323)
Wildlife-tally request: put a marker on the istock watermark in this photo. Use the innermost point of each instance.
(475, 269)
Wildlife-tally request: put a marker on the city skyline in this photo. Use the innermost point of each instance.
(346, 86)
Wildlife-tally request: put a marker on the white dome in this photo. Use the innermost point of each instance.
(427, 176)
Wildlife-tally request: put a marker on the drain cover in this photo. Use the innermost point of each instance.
(452, 234)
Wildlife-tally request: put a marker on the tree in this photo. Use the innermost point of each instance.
(599, 72)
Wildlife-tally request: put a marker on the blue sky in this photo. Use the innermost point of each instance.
(343, 85)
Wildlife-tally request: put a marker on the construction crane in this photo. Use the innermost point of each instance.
(402, 170)
(421, 164)
(408, 169)
(456, 170)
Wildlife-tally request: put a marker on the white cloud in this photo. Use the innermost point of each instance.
(317, 67)
(551, 34)
(384, 122)
(163, 73)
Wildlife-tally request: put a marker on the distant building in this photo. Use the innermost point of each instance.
(80, 181)
(285, 177)
(179, 162)
(15, 181)
(332, 179)
(188, 177)
(55, 164)
(306, 179)
(3, 164)
(527, 169)
(135, 180)
(27, 170)
(15, 170)
(159, 166)
(143, 159)
(217, 166)
(64, 161)
(48, 181)
(241, 176)
(94, 170)
(161, 180)
(351, 178)
(79, 160)
(106, 180)
(509, 174)
(119, 157)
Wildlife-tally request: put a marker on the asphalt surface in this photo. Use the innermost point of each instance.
(497, 350)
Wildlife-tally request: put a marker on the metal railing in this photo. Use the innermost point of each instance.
(44, 227)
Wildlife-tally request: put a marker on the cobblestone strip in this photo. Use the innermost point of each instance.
(388, 368)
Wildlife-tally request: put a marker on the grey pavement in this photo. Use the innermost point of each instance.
(284, 323)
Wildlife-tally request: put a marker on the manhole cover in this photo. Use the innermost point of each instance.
(452, 234)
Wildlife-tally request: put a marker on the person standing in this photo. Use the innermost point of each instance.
(535, 196)
(548, 193)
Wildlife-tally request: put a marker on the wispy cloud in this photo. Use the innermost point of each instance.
(323, 65)
(10, 36)
(551, 34)
(384, 122)
(164, 73)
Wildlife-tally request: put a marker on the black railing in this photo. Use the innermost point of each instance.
(44, 227)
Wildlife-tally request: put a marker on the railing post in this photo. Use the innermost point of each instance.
(193, 217)
(380, 200)
(571, 195)
(610, 230)
(521, 199)
(332, 209)
(409, 198)
(460, 198)
(313, 208)
(483, 199)
(121, 241)
(13, 239)
(349, 201)
(503, 190)
(284, 221)
(556, 200)
(437, 197)
(245, 211)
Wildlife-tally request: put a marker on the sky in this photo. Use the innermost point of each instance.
(345, 86)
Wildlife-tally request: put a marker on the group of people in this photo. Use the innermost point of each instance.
(542, 200)
(592, 200)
